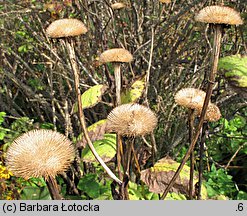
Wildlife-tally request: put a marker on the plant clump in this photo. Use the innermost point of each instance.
(219, 15)
(40, 153)
(66, 28)
(117, 6)
(131, 120)
(115, 55)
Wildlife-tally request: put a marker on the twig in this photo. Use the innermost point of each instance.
(234, 155)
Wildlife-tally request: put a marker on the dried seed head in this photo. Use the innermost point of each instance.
(117, 6)
(190, 97)
(213, 113)
(40, 153)
(219, 15)
(165, 1)
(65, 28)
(115, 55)
(131, 120)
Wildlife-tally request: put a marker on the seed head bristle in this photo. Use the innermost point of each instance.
(219, 15)
(117, 6)
(213, 113)
(165, 1)
(131, 120)
(40, 153)
(115, 55)
(66, 28)
(190, 97)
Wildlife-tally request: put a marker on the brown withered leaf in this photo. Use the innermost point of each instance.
(158, 177)
(96, 132)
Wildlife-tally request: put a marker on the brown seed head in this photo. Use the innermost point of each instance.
(117, 6)
(65, 28)
(115, 55)
(219, 15)
(40, 153)
(165, 1)
(190, 97)
(131, 120)
(213, 113)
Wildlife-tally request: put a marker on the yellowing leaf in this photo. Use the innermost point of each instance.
(91, 97)
(132, 94)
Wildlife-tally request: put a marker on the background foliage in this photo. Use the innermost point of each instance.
(36, 89)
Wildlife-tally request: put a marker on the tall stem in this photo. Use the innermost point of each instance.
(211, 79)
(117, 74)
(192, 157)
(74, 66)
(53, 188)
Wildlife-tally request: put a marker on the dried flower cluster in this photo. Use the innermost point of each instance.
(194, 98)
(115, 55)
(213, 113)
(40, 153)
(65, 28)
(131, 120)
(117, 6)
(219, 15)
(165, 1)
(190, 97)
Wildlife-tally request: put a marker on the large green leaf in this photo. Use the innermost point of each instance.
(158, 177)
(91, 97)
(106, 148)
(235, 71)
(35, 193)
(93, 188)
(132, 94)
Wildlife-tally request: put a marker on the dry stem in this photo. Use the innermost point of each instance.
(72, 58)
(53, 188)
(215, 59)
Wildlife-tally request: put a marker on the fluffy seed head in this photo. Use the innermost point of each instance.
(131, 120)
(220, 15)
(65, 28)
(115, 55)
(213, 113)
(165, 1)
(117, 6)
(190, 97)
(39, 153)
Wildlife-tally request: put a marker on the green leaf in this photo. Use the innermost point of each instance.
(89, 185)
(35, 193)
(2, 115)
(105, 147)
(238, 122)
(132, 94)
(235, 71)
(91, 97)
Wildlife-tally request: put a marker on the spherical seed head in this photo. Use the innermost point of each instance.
(115, 55)
(131, 120)
(219, 15)
(165, 1)
(117, 6)
(190, 97)
(39, 153)
(65, 28)
(213, 113)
